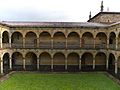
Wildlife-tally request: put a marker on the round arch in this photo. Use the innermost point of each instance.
(101, 40)
(5, 37)
(17, 61)
(73, 61)
(100, 61)
(31, 61)
(30, 40)
(45, 39)
(59, 40)
(59, 61)
(17, 39)
(73, 40)
(119, 41)
(87, 40)
(6, 58)
(118, 64)
(111, 62)
(112, 40)
(45, 61)
(87, 61)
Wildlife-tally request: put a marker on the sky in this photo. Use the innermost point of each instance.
(53, 10)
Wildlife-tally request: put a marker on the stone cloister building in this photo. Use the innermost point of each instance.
(62, 46)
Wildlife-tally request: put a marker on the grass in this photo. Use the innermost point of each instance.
(54, 81)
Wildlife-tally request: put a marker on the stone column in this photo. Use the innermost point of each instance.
(107, 62)
(1, 40)
(66, 63)
(116, 43)
(116, 67)
(51, 63)
(93, 63)
(24, 42)
(66, 42)
(10, 63)
(80, 42)
(24, 64)
(107, 43)
(80, 63)
(38, 62)
(38, 42)
(94, 43)
(1, 65)
(10, 40)
(52, 43)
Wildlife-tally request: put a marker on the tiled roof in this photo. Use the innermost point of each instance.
(52, 24)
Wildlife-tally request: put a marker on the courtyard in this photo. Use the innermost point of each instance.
(59, 81)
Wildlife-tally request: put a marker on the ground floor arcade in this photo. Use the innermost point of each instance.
(59, 61)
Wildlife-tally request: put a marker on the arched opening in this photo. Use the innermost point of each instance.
(59, 61)
(17, 40)
(101, 40)
(30, 40)
(73, 61)
(100, 61)
(112, 40)
(118, 64)
(87, 61)
(111, 62)
(17, 61)
(119, 41)
(45, 61)
(73, 41)
(45, 40)
(6, 58)
(5, 39)
(87, 40)
(59, 40)
(31, 61)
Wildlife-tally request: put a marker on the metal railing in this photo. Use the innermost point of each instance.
(5, 45)
(45, 45)
(59, 45)
(112, 46)
(100, 46)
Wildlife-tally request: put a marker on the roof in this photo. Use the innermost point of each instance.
(102, 13)
(52, 24)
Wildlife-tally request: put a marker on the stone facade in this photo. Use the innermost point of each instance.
(59, 47)
(106, 17)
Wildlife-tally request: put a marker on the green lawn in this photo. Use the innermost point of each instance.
(53, 81)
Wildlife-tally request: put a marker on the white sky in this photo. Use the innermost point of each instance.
(53, 10)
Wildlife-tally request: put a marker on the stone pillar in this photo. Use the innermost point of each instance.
(80, 42)
(66, 63)
(66, 42)
(107, 43)
(1, 65)
(94, 43)
(107, 62)
(24, 42)
(10, 40)
(24, 64)
(116, 67)
(93, 63)
(38, 62)
(10, 63)
(1, 41)
(116, 43)
(37, 42)
(51, 63)
(80, 63)
(52, 43)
